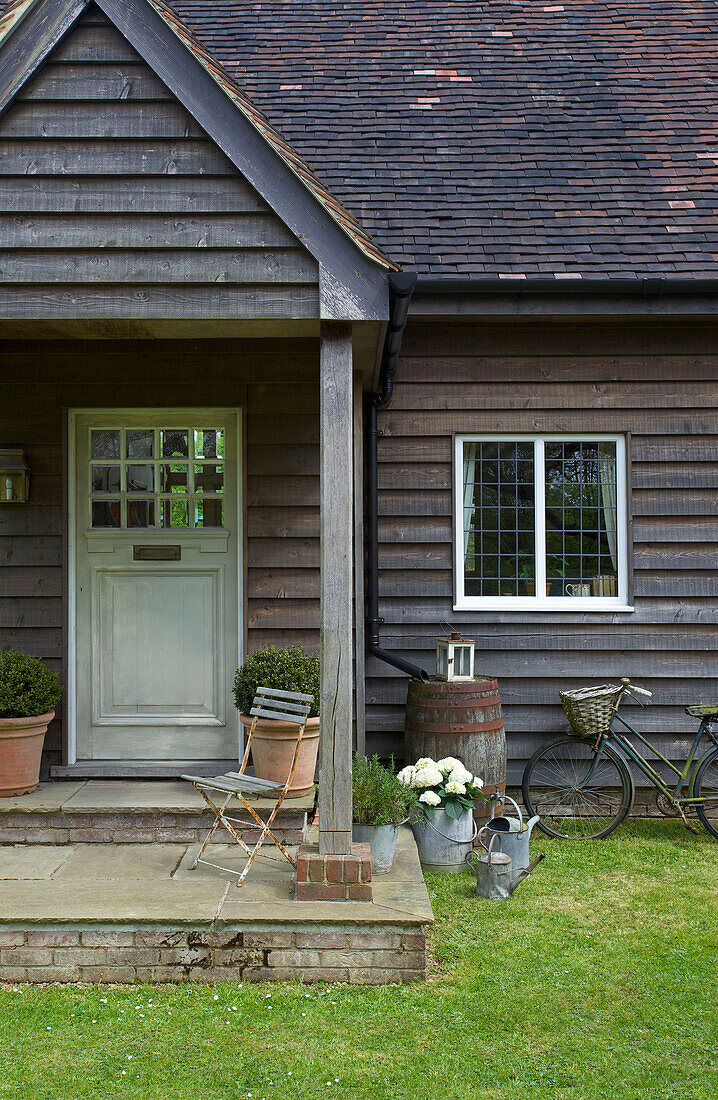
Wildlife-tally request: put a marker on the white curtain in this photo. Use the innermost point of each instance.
(607, 475)
(469, 475)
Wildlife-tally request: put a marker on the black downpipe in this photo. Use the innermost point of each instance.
(401, 287)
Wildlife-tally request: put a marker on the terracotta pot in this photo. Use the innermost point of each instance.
(273, 748)
(21, 741)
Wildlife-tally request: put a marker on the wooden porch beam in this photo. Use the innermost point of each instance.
(336, 531)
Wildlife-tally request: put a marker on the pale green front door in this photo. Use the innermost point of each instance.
(157, 584)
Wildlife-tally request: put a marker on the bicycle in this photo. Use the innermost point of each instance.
(581, 786)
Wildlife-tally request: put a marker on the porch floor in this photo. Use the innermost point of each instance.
(126, 913)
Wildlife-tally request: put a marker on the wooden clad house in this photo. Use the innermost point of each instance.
(194, 328)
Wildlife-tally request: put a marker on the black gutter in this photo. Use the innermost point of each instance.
(648, 287)
(401, 287)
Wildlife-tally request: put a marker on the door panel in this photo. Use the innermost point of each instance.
(157, 585)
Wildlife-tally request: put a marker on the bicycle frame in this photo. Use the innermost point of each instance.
(616, 738)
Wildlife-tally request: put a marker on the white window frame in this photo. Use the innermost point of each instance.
(543, 602)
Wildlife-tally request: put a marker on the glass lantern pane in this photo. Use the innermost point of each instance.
(140, 513)
(106, 443)
(140, 443)
(462, 660)
(105, 513)
(140, 479)
(441, 664)
(173, 443)
(209, 478)
(105, 479)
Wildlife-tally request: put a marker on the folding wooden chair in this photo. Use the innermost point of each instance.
(288, 706)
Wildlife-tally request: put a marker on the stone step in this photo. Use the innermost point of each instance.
(133, 812)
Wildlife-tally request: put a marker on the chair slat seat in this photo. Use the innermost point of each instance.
(233, 781)
(301, 709)
(285, 706)
(281, 715)
(277, 693)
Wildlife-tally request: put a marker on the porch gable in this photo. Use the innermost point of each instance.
(160, 106)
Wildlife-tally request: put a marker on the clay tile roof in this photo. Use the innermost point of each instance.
(489, 138)
(496, 137)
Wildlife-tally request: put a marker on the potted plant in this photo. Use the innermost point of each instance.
(380, 804)
(444, 823)
(273, 744)
(29, 693)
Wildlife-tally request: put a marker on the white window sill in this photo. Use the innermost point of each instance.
(549, 603)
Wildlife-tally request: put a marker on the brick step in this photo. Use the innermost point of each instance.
(132, 812)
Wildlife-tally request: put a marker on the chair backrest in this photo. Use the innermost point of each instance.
(287, 706)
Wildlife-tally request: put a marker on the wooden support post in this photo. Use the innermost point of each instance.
(359, 643)
(337, 561)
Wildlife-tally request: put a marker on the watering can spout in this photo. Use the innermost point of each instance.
(533, 821)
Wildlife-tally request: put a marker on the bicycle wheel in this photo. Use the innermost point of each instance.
(705, 785)
(571, 806)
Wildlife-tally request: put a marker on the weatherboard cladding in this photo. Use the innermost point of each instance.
(116, 203)
(13, 18)
(656, 379)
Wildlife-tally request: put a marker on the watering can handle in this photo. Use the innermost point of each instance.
(508, 798)
(494, 838)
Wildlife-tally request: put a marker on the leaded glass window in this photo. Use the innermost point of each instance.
(542, 519)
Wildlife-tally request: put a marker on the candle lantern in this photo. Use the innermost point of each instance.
(455, 657)
(14, 476)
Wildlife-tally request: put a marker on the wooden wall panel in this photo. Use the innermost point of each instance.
(115, 203)
(40, 380)
(657, 380)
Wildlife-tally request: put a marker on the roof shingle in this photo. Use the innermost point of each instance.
(490, 137)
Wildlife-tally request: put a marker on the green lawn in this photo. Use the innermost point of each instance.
(597, 979)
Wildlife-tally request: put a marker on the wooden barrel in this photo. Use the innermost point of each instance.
(461, 719)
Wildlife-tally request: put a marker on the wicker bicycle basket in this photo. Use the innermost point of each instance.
(590, 709)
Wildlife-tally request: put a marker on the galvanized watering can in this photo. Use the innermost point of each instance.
(493, 872)
(515, 834)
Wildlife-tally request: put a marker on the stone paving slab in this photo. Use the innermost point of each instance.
(32, 861)
(126, 863)
(121, 884)
(46, 798)
(265, 871)
(126, 796)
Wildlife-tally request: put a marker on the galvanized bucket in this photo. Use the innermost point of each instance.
(382, 840)
(444, 842)
(493, 870)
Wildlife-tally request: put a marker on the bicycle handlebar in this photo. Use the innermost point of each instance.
(630, 688)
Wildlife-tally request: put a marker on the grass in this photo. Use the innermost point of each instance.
(597, 979)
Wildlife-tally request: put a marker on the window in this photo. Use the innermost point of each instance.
(157, 477)
(541, 522)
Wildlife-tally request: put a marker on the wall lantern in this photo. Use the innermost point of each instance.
(455, 657)
(14, 476)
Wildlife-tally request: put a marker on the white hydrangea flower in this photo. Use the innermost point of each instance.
(460, 775)
(478, 781)
(431, 798)
(449, 763)
(406, 775)
(424, 761)
(426, 776)
(452, 787)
